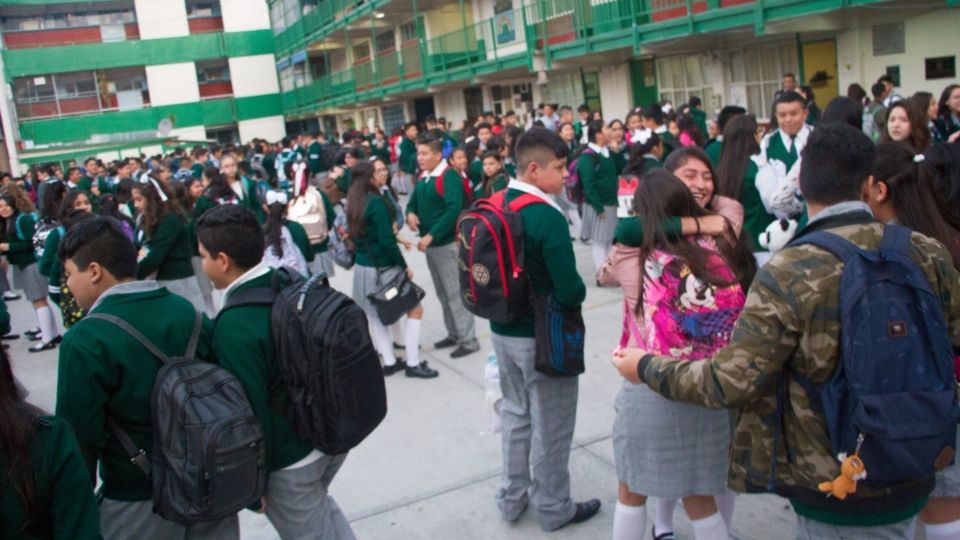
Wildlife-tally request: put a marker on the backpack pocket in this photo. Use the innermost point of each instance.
(907, 435)
(559, 334)
(233, 477)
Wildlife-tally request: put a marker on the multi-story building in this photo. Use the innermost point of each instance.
(380, 62)
(117, 77)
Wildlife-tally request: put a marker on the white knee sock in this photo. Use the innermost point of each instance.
(397, 330)
(412, 339)
(575, 222)
(599, 256)
(381, 341)
(725, 504)
(944, 531)
(48, 324)
(710, 528)
(629, 522)
(663, 516)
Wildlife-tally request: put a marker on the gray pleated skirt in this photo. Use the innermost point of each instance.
(669, 449)
(30, 281)
(323, 262)
(365, 283)
(948, 480)
(187, 288)
(601, 229)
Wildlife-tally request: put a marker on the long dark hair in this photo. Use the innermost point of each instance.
(638, 153)
(18, 422)
(919, 137)
(686, 124)
(660, 196)
(911, 191)
(361, 184)
(844, 110)
(157, 208)
(273, 227)
(944, 161)
(52, 197)
(218, 188)
(70, 200)
(942, 109)
(739, 144)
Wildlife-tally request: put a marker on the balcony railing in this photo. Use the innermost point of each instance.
(75, 105)
(30, 39)
(201, 25)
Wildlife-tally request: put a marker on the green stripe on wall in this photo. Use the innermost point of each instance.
(143, 52)
(208, 113)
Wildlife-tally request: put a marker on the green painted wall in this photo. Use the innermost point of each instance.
(145, 52)
(207, 113)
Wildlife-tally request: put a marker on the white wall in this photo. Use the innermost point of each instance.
(171, 84)
(929, 35)
(162, 18)
(451, 106)
(253, 75)
(241, 15)
(616, 93)
(190, 133)
(270, 128)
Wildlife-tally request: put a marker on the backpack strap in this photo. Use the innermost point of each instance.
(138, 456)
(841, 247)
(524, 201)
(896, 240)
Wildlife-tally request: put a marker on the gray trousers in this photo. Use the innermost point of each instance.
(808, 529)
(538, 415)
(442, 263)
(299, 507)
(122, 520)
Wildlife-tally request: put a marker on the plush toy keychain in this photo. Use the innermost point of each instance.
(852, 470)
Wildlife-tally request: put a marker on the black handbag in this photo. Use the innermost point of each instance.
(394, 297)
(559, 332)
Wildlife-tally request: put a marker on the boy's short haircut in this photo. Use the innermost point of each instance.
(89, 159)
(583, 108)
(789, 97)
(655, 113)
(496, 143)
(232, 229)
(409, 125)
(885, 78)
(594, 128)
(539, 145)
(565, 108)
(837, 159)
(428, 140)
(877, 90)
(103, 241)
(491, 154)
(726, 114)
(483, 125)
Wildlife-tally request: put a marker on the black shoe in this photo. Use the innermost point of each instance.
(390, 370)
(52, 344)
(10, 296)
(585, 511)
(423, 371)
(398, 347)
(464, 350)
(662, 536)
(34, 337)
(10, 337)
(33, 332)
(444, 343)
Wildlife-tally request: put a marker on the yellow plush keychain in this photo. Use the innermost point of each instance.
(852, 470)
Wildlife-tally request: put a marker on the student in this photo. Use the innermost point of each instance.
(217, 192)
(286, 241)
(714, 146)
(875, 114)
(737, 175)
(407, 159)
(458, 161)
(599, 169)
(494, 178)
(296, 500)
(110, 207)
(434, 217)
(95, 181)
(379, 260)
(18, 222)
(688, 458)
(783, 334)
(104, 372)
(46, 492)
(490, 144)
(645, 153)
(926, 102)
(541, 440)
(787, 142)
(656, 122)
(699, 116)
(948, 112)
(163, 240)
(907, 123)
(243, 187)
(50, 211)
(318, 166)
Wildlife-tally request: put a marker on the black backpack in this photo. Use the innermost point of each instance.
(208, 457)
(490, 256)
(327, 360)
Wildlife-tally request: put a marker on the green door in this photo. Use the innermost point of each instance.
(591, 90)
(643, 79)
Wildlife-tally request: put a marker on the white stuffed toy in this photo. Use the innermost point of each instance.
(778, 234)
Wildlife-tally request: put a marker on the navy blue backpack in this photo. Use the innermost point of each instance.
(892, 398)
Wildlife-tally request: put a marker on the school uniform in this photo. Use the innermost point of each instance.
(26, 272)
(105, 371)
(168, 258)
(86, 183)
(438, 218)
(246, 191)
(787, 149)
(300, 475)
(538, 412)
(598, 172)
(408, 156)
(714, 150)
(378, 255)
(64, 493)
(756, 219)
(315, 161)
(670, 142)
(495, 184)
(475, 173)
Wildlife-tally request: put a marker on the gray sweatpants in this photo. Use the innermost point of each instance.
(123, 520)
(538, 414)
(808, 529)
(442, 263)
(299, 507)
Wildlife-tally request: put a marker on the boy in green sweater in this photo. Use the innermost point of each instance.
(432, 211)
(539, 440)
(407, 159)
(231, 246)
(104, 372)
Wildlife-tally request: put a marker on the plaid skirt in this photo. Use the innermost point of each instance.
(366, 282)
(29, 280)
(601, 230)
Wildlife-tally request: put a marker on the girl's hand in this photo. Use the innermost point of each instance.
(4, 247)
(409, 273)
(407, 245)
(712, 225)
(626, 362)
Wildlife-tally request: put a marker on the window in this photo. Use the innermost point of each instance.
(309, 5)
(33, 89)
(218, 71)
(943, 67)
(76, 85)
(286, 79)
(291, 11)
(888, 39)
(759, 71)
(361, 51)
(408, 31)
(301, 74)
(385, 42)
(67, 20)
(203, 9)
(276, 17)
(680, 77)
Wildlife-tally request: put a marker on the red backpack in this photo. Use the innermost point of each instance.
(490, 256)
(467, 190)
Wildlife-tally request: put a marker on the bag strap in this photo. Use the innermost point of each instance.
(524, 201)
(136, 454)
(630, 328)
(896, 240)
(841, 247)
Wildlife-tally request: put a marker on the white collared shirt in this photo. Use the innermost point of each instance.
(534, 190)
(237, 188)
(800, 139)
(604, 151)
(437, 172)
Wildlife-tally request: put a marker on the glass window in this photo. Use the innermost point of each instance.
(33, 89)
(286, 79)
(291, 11)
(361, 51)
(75, 85)
(301, 74)
(408, 31)
(681, 77)
(276, 18)
(385, 41)
(213, 72)
(203, 9)
(760, 70)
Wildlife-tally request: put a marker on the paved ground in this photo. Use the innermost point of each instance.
(431, 469)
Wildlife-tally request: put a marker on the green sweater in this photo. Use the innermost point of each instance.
(714, 150)
(251, 200)
(438, 215)
(299, 236)
(598, 174)
(86, 184)
(408, 156)
(50, 265)
(475, 173)
(497, 183)
(550, 263)
(700, 119)
(755, 216)
(168, 249)
(104, 371)
(63, 490)
(244, 346)
(20, 237)
(378, 245)
(630, 230)
(315, 158)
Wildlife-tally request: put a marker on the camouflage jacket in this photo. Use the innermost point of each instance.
(790, 325)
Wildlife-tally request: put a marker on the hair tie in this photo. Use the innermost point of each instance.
(275, 196)
(156, 185)
(919, 158)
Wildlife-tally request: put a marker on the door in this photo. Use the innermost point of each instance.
(818, 61)
(591, 90)
(643, 80)
(473, 101)
(423, 107)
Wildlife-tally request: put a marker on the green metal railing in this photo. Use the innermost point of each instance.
(328, 16)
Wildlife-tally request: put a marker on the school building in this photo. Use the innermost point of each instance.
(118, 77)
(344, 63)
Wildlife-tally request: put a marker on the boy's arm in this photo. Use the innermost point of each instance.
(452, 205)
(83, 386)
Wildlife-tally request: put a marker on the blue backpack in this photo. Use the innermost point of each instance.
(892, 398)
